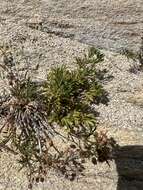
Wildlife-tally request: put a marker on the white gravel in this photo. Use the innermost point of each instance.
(121, 19)
(120, 113)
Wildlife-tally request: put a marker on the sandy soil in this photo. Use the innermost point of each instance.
(52, 32)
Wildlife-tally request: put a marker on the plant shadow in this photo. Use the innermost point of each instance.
(129, 164)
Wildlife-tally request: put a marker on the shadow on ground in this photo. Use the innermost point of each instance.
(129, 163)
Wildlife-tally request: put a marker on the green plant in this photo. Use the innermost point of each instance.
(70, 94)
(53, 125)
(136, 57)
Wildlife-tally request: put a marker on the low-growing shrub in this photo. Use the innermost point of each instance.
(137, 57)
(52, 125)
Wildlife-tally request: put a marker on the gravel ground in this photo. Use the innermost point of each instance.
(124, 85)
(58, 40)
(108, 24)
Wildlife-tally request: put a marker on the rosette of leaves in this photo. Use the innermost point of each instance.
(24, 131)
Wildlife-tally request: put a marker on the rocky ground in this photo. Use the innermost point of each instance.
(107, 24)
(52, 32)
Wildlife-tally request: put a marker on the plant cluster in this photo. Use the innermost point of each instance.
(52, 125)
(136, 57)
